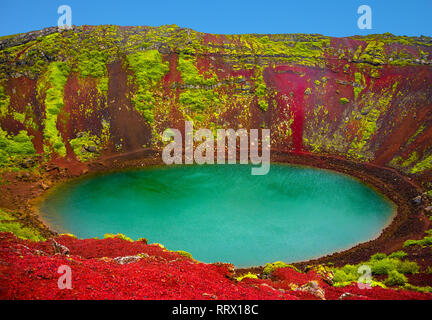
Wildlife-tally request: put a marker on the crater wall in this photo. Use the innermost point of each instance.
(93, 91)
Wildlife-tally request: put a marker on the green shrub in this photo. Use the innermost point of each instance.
(426, 241)
(343, 100)
(386, 265)
(340, 276)
(426, 289)
(408, 267)
(380, 264)
(347, 274)
(378, 256)
(398, 254)
(383, 266)
(395, 279)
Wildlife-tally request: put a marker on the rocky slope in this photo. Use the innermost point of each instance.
(99, 90)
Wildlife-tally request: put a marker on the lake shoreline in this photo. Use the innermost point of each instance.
(409, 221)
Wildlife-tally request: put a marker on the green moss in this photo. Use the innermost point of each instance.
(199, 94)
(14, 148)
(373, 283)
(20, 117)
(398, 254)
(9, 224)
(411, 287)
(263, 105)
(386, 265)
(425, 242)
(361, 83)
(159, 245)
(68, 235)
(83, 142)
(368, 125)
(343, 100)
(260, 89)
(297, 48)
(117, 236)
(92, 63)
(4, 102)
(56, 78)
(190, 73)
(103, 85)
(148, 69)
(347, 274)
(270, 267)
(185, 254)
(374, 53)
(248, 275)
(357, 53)
(425, 164)
(378, 256)
(197, 100)
(379, 263)
(416, 134)
(398, 161)
(375, 72)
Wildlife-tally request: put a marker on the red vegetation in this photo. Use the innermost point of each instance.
(28, 270)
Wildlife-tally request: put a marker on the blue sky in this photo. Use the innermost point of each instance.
(333, 18)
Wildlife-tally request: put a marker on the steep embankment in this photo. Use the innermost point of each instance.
(94, 91)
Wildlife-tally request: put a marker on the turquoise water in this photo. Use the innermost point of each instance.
(222, 212)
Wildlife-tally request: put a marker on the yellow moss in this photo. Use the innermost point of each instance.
(248, 275)
(118, 236)
(8, 223)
